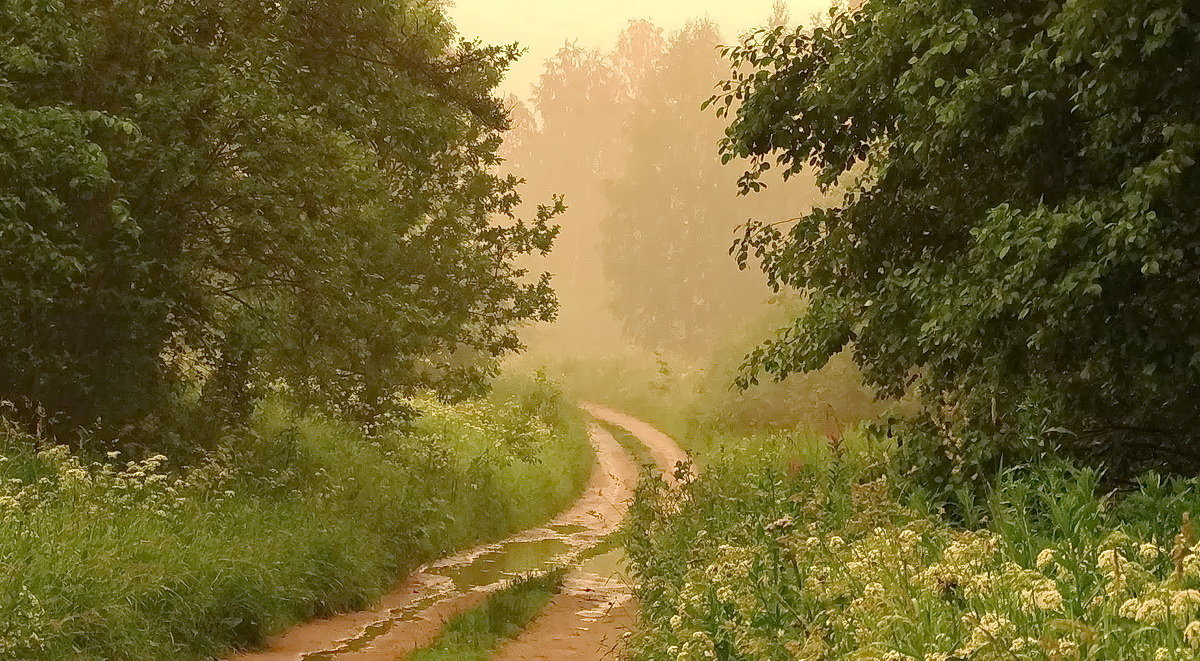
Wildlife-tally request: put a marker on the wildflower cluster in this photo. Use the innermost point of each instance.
(830, 563)
(54, 501)
(147, 485)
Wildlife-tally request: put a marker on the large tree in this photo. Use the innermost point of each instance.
(202, 194)
(571, 142)
(1021, 235)
(673, 209)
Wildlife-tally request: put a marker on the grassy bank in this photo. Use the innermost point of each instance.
(837, 555)
(150, 560)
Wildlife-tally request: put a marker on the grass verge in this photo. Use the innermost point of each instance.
(473, 635)
(292, 519)
(637, 450)
(842, 556)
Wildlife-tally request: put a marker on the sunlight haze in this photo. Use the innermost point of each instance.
(543, 26)
(504, 330)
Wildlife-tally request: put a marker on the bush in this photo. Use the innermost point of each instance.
(1020, 208)
(700, 404)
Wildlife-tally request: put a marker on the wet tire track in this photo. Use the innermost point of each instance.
(412, 615)
(589, 619)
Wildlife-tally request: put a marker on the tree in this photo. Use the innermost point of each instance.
(781, 15)
(673, 212)
(1021, 238)
(580, 108)
(199, 196)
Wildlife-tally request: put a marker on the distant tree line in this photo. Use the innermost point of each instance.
(622, 134)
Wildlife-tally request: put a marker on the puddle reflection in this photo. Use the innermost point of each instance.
(509, 561)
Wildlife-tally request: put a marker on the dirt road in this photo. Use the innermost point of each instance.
(588, 619)
(585, 621)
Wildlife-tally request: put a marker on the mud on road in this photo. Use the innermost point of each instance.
(586, 620)
(589, 618)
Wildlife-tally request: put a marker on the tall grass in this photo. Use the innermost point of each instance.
(473, 635)
(697, 404)
(300, 517)
(839, 556)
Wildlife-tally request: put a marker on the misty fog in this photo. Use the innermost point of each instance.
(642, 266)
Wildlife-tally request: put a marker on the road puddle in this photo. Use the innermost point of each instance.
(568, 528)
(414, 613)
(506, 562)
(375, 630)
(612, 563)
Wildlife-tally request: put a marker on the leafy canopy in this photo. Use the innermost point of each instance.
(1020, 235)
(197, 196)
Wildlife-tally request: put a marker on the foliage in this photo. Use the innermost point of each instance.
(150, 559)
(644, 245)
(829, 400)
(289, 190)
(475, 634)
(834, 558)
(698, 404)
(671, 209)
(568, 139)
(1020, 229)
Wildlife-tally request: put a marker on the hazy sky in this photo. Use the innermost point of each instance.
(542, 26)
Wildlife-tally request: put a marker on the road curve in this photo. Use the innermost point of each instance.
(413, 614)
(666, 452)
(588, 619)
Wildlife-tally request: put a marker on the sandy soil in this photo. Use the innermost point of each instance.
(413, 613)
(667, 454)
(590, 617)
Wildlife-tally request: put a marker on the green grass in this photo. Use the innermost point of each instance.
(297, 518)
(843, 556)
(475, 634)
(697, 405)
(637, 450)
(695, 397)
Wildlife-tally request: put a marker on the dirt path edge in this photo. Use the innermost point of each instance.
(592, 615)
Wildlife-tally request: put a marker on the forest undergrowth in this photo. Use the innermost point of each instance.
(696, 402)
(303, 517)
